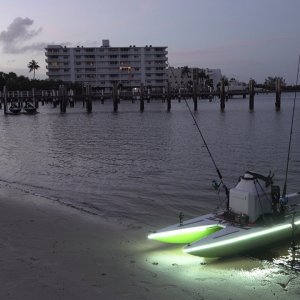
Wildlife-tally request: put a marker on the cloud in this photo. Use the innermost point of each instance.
(15, 39)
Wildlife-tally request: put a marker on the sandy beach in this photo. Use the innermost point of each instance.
(51, 251)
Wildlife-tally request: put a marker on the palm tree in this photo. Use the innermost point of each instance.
(185, 74)
(185, 71)
(33, 65)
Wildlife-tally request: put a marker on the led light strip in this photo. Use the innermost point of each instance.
(175, 232)
(240, 238)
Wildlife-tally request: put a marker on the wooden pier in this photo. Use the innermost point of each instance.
(67, 98)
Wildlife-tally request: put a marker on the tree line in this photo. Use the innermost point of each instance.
(13, 82)
(269, 84)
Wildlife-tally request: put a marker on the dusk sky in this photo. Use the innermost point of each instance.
(245, 39)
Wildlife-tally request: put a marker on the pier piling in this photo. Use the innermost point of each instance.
(115, 96)
(5, 99)
(35, 101)
(142, 103)
(148, 95)
(222, 95)
(195, 94)
(168, 97)
(102, 97)
(278, 94)
(71, 98)
(62, 98)
(251, 94)
(88, 99)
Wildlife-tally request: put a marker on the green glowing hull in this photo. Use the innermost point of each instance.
(187, 232)
(234, 240)
(185, 238)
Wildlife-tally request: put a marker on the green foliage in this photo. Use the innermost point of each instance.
(14, 82)
(33, 66)
(185, 71)
(270, 82)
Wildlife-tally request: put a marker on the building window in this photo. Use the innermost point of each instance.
(53, 50)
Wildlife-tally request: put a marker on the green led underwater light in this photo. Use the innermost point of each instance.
(184, 235)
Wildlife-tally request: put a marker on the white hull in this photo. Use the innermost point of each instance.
(234, 240)
(213, 235)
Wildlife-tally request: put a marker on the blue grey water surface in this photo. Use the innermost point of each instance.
(146, 167)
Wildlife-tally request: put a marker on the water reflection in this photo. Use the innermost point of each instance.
(291, 260)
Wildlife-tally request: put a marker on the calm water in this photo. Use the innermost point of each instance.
(146, 167)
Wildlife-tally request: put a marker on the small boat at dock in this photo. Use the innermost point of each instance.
(14, 108)
(30, 108)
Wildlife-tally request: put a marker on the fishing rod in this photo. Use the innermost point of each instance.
(290, 139)
(215, 165)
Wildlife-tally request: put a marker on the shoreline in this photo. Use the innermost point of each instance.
(52, 251)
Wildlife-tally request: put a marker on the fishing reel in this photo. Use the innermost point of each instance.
(279, 203)
(283, 201)
(216, 185)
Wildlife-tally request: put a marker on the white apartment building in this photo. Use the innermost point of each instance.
(101, 66)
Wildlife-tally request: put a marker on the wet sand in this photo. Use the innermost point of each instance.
(51, 251)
